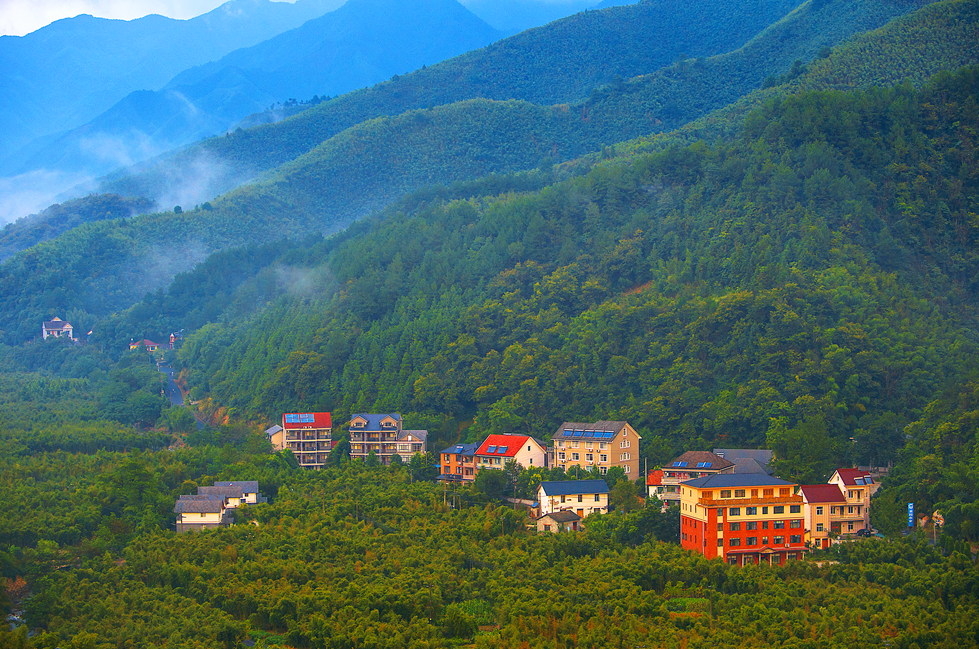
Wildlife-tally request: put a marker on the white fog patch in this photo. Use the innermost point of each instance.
(195, 181)
(306, 282)
(34, 191)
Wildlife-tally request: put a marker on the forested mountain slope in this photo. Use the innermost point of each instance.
(59, 218)
(63, 75)
(321, 191)
(560, 62)
(361, 43)
(810, 282)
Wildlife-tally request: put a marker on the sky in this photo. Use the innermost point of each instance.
(19, 17)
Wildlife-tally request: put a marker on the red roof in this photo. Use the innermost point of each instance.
(654, 478)
(823, 493)
(511, 443)
(849, 475)
(320, 420)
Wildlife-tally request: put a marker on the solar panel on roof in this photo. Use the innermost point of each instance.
(610, 435)
(683, 464)
(869, 480)
(491, 449)
(858, 480)
(307, 418)
(568, 432)
(292, 419)
(502, 450)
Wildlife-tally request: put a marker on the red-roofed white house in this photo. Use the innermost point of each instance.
(823, 504)
(858, 486)
(495, 450)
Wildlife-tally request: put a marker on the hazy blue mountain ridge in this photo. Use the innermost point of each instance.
(68, 72)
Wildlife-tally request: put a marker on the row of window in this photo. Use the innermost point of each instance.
(581, 498)
(753, 511)
(753, 540)
(753, 525)
(588, 445)
(833, 508)
(589, 457)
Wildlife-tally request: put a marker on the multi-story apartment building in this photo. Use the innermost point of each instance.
(459, 462)
(690, 465)
(858, 487)
(824, 505)
(582, 497)
(742, 518)
(603, 444)
(495, 450)
(383, 435)
(309, 435)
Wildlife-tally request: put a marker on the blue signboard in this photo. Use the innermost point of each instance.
(910, 514)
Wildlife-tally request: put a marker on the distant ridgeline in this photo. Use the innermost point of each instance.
(371, 165)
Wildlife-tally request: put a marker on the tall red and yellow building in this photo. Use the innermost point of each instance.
(742, 518)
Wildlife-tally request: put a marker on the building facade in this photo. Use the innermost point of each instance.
(603, 444)
(383, 435)
(459, 462)
(563, 521)
(823, 505)
(742, 518)
(56, 328)
(582, 497)
(309, 435)
(858, 488)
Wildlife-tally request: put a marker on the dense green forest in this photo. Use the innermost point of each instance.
(329, 186)
(794, 294)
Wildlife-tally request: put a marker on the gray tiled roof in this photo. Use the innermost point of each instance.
(420, 434)
(374, 420)
(461, 449)
(762, 456)
(230, 489)
(750, 465)
(563, 516)
(200, 504)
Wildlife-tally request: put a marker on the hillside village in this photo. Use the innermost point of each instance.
(729, 504)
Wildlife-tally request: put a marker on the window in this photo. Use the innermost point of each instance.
(574, 456)
(751, 540)
(734, 542)
(547, 528)
(778, 509)
(720, 527)
(598, 498)
(849, 527)
(734, 527)
(768, 493)
(777, 559)
(795, 509)
(560, 455)
(581, 498)
(560, 444)
(628, 469)
(795, 538)
(739, 493)
(779, 525)
(751, 511)
(720, 543)
(819, 527)
(754, 493)
(734, 511)
(764, 525)
(819, 511)
(783, 492)
(764, 540)
(764, 511)
(588, 445)
(563, 498)
(751, 525)
(603, 458)
(708, 495)
(832, 509)
(849, 510)
(725, 493)
(589, 457)
(795, 524)
(778, 540)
